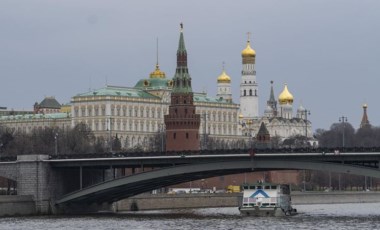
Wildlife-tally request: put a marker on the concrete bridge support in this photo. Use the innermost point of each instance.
(45, 184)
(35, 178)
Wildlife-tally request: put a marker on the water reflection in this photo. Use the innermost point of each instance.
(336, 216)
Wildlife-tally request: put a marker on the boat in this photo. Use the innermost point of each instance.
(266, 199)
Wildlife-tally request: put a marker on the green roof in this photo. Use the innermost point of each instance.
(154, 83)
(118, 91)
(202, 97)
(36, 116)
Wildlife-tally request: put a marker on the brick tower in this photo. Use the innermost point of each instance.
(182, 123)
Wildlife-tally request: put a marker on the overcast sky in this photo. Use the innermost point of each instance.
(326, 51)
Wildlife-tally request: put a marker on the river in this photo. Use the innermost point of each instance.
(326, 216)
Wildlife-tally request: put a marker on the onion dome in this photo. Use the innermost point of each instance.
(365, 106)
(248, 51)
(157, 73)
(268, 110)
(224, 78)
(301, 109)
(285, 97)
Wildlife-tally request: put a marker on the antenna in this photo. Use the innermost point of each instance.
(90, 85)
(157, 50)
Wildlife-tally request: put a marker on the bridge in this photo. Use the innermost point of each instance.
(72, 181)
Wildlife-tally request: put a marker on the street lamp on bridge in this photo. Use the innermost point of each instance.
(343, 120)
(56, 143)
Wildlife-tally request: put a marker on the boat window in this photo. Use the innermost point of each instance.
(285, 189)
(259, 187)
(267, 187)
(253, 187)
(245, 187)
(274, 187)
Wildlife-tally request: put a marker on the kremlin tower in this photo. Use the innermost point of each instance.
(182, 123)
(365, 121)
(249, 99)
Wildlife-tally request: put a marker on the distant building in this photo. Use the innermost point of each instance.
(47, 105)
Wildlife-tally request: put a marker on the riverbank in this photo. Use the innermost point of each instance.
(210, 200)
(24, 205)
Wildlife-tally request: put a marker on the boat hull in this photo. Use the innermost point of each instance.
(263, 211)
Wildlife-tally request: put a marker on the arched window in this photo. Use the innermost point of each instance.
(245, 93)
(250, 92)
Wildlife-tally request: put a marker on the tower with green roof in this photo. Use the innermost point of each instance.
(182, 123)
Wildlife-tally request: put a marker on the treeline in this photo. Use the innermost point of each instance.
(79, 139)
(344, 135)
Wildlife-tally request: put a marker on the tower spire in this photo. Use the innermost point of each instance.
(272, 103)
(182, 79)
(365, 121)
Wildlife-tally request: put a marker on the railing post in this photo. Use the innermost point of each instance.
(80, 177)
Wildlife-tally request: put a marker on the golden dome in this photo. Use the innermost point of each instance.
(365, 106)
(241, 116)
(224, 78)
(285, 97)
(248, 51)
(157, 73)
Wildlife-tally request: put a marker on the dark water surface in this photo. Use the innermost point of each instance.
(326, 216)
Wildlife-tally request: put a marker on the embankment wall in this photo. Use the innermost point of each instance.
(188, 201)
(17, 205)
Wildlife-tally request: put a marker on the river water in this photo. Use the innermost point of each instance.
(326, 216)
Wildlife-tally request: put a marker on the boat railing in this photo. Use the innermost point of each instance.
(260, 201)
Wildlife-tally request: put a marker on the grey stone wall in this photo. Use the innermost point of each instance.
(178, 201)
(8, 170)
(335, 197)
(183, 201)
(17, 205)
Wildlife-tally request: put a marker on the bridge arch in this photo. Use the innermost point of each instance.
(117, 189)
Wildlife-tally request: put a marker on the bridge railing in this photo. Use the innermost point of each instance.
(5, 158)
(217, 152)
